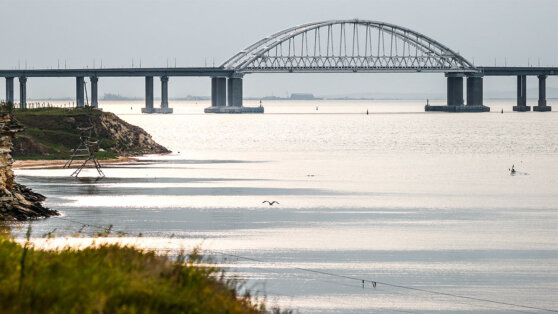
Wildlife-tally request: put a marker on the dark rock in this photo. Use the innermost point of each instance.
(16, 201)
(24, 146)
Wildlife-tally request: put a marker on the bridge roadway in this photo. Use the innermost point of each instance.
(119, 72)
(515, 71)
(223, 79)
(222, 72)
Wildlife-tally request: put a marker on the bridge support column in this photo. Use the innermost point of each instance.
(94, 92)
(542, 95)
(80, 85)
(218, 91)
(521, 94)
(10, 90)
(223, 101)
(148, 95)
(455, 90)
(164, 91)
(234, 92)
(23, 92)
(474, 91)
(164, 96)
(455, 94)
(475, 101)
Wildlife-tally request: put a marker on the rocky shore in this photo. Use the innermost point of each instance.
(46, 137)
(17, 202)
(53, 133)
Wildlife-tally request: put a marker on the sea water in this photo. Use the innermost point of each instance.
(397, 197)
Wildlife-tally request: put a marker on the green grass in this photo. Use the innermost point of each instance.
(113, 279)
(56, 111)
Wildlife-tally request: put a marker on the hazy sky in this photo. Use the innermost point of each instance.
(42, 33)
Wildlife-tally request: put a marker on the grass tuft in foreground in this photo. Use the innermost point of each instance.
(114, 279)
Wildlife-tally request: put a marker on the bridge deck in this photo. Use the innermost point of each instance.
(221, 72)
(511, 71)
(207, 71)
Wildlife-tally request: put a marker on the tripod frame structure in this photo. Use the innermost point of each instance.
(86, 148)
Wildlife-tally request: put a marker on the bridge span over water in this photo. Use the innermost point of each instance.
(336, 46)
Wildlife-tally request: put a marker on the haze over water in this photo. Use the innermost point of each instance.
(399, 196)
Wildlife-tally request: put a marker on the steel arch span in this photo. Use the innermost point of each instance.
(348, 46)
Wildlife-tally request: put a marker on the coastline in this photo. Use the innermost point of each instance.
(58, 163)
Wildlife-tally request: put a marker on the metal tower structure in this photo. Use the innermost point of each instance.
(86, 148)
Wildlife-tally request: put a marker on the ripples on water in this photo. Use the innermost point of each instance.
(397, 196)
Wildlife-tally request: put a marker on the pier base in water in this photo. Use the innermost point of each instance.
(231, 109)
(461, 108)
(156, 110)
(522, 108)
(542, 108)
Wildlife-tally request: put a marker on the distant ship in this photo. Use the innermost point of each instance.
(109, 96)
(303, 96)
(294, 96)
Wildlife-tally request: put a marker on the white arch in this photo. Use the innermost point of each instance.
(423, 53)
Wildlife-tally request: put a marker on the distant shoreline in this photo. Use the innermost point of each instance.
(265, 98)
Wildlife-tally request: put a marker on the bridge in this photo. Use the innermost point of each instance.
(336, 46)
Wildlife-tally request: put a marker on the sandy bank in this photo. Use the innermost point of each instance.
(58, 163)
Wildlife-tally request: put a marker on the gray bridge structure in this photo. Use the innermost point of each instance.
(95, 74)
(335, 46)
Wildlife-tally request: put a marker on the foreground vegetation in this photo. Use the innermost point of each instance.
(113, 279)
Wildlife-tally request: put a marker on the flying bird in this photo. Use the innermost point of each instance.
(271, 203)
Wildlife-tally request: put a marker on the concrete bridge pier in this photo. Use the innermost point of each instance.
(455, 94)
(474, 90)
(521, 94)
(94, 92)
(475, 102)
(218, 91)
(80, 96)
(542, 95)
(10, 90)
(228, 100)
(164, 96)
(234, 92)
(23, 92)
(164, 91)
(455, 89)
(148, 95)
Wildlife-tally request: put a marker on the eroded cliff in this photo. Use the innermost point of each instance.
(17, 202)
(52, 133)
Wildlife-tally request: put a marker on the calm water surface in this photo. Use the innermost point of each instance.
(399, 196)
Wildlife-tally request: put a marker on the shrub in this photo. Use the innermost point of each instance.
(114, 279)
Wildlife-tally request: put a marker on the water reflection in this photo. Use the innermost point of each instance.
(422, 200)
